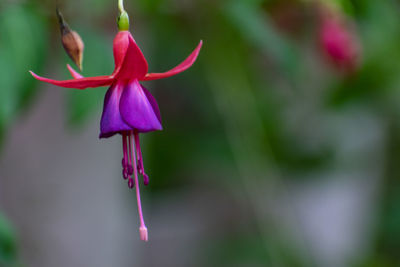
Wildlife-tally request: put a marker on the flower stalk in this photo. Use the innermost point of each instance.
(121, 6)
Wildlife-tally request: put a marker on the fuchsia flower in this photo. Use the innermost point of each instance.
(339, 41)
(129, 108)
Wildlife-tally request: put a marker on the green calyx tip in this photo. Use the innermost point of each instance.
(123, 21)
(123, 18)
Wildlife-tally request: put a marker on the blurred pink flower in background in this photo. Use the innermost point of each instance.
(339, 40)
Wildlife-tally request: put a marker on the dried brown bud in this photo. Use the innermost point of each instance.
(71, 41)
(74, 46)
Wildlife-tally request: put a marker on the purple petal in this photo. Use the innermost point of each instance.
(111, 121)
(153, 102)
(139, 109)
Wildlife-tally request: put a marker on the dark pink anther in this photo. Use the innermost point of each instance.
(131, 183)
(130, 169)
(145, 179)
(129, 108)
(140, 165)
(125, 174)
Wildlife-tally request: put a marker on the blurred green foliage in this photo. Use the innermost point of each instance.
(19, 25)
(8, 244)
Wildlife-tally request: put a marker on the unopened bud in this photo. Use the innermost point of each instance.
(71, 41)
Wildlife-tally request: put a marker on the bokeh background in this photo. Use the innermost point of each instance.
(275, 151)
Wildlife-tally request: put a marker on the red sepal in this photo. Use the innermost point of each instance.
(82, 83)
(74, 73)
(129, 59)
(187, 63)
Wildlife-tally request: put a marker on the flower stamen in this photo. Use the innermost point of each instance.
(140, 159)
(131, 182)
(142, 229)
(125, 172)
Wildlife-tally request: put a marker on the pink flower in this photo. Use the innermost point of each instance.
(339, 41)
(129, 108)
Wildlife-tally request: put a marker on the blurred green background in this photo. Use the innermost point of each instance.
(270, 155)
